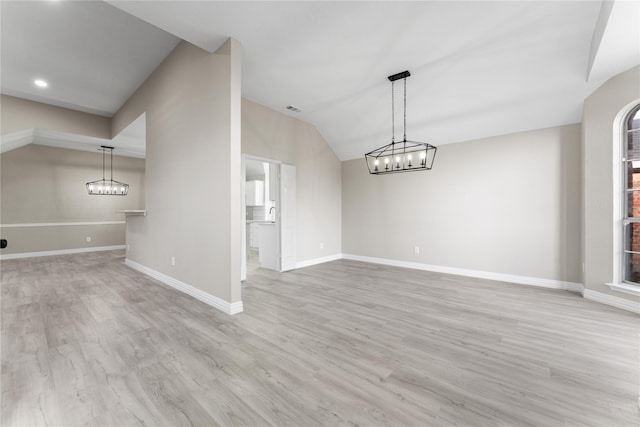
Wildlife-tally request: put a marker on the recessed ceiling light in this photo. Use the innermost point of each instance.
(40, 83)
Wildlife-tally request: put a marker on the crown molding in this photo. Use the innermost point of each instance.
(66, 140)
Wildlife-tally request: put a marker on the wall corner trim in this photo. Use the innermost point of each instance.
(315, 261)
(61, 252)
(613, 301)
(222, 305)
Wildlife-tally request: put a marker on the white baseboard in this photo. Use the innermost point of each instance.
(61, 252)
(213, 301)
(310, 262)
(625, 304)
(523, 280)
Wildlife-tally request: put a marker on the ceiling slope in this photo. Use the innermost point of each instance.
(478, 68)
(93, 55)
(616, 42)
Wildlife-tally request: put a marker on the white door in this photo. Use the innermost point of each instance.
(287, 217)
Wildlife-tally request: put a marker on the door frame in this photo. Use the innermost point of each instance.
(277, 163)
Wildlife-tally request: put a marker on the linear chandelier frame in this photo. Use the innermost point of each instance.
(405, 155)
(107, 187)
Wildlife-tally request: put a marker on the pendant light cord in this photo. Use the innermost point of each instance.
(103, 150)
(112, 165)
(405, 109)
(393, 113)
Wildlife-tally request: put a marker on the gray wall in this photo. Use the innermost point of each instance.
(270, 134)
(20, 114)
(41, 184)
(508, 204)
(599, 126)
(192, 105)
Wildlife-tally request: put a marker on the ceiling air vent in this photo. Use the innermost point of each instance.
(292, 108)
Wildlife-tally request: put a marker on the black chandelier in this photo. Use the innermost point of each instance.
(402, 156)
(107, 187)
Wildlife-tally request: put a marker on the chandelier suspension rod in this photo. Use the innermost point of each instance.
(405, 110)
(393, 113)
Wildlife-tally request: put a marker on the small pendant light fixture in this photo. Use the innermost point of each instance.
(403, 156)
(104, 187)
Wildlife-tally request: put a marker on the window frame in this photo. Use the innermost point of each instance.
(628, 221)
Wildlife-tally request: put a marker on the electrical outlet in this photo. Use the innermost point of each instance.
(321, 245)
(88, 238)
(173, 260)
(416, 249)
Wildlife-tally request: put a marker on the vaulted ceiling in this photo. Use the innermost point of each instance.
(479, 69)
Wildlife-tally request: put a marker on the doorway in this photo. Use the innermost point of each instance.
(268, 215)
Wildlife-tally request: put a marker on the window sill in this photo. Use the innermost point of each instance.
(623, 287)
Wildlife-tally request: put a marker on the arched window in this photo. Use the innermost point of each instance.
(631, 163)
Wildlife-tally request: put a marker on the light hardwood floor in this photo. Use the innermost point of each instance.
(88, 341)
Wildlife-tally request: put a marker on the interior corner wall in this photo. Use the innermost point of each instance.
(20, 114)
(598, 130)
(273, 135)
(191, 150)
(508, 204)
(44, 200)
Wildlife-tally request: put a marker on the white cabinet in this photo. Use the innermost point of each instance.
(253, 235)
(254, 193)
(268, 246)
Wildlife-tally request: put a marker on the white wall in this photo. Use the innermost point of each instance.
(192, 105)
(598, 142)
(270, 134)
(508, 204)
